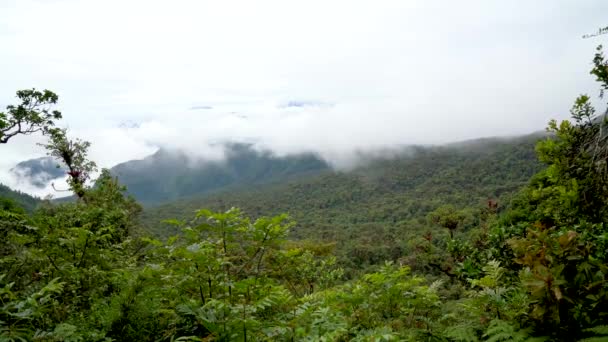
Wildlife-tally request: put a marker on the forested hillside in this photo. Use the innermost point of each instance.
(169, 175)
(476, 241)
(23, 200)
(373, 211)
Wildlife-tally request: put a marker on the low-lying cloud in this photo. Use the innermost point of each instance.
(335, 78)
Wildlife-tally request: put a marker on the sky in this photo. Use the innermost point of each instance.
(332, 77)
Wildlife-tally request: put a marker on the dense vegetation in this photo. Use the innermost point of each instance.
(535, 271)
(20, 199)
(156, 179)
(374, 211)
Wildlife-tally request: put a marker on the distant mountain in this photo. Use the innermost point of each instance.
(170, 175)
(39, 171)
(386, 199)
(24, 200)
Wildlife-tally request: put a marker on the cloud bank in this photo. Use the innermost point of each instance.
(329, 77)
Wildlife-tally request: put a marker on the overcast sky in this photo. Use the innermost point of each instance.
(326, 76)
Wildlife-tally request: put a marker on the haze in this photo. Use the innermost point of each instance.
(329, 77)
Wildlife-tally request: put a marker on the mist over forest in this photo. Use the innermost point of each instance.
(314, 171)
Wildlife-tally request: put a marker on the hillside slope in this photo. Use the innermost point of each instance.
(167, 176)
(24, 200)
(385, 200)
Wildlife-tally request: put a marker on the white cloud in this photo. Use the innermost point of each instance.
(395, 72)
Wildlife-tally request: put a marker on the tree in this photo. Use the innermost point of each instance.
(559, 237)
(599, 32)
(73, 154)
(34, 114)
(447, 217)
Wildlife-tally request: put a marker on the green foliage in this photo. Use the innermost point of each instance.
(504, 331)
(34, 114)
(534, 270)
(387, 200)
(597, 334)
(22, 316)
(447, 217)
(11, 198)
(556, 238)
(72, 153)
(161, 177)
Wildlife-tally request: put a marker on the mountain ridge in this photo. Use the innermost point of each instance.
(166, 175)
(387, 196)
